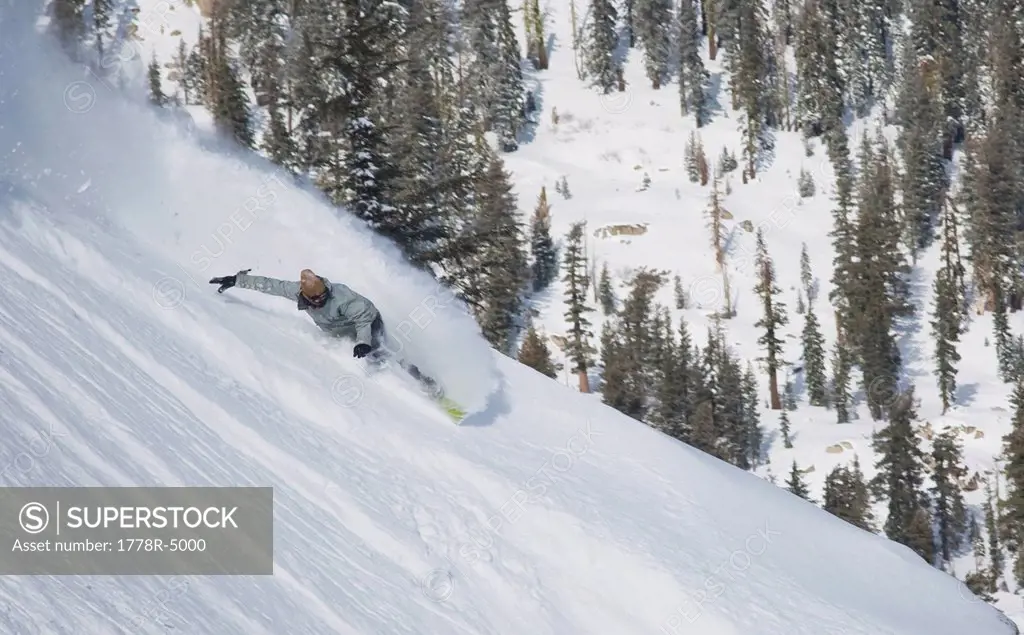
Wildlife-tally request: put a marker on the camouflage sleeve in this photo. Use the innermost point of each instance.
(270, 286)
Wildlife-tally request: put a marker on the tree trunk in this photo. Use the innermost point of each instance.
(584, 382)
(773, 388)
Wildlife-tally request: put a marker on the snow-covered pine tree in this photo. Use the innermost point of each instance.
(605, 291)
(578, 347)
(693, 76)
(772, 320)
(653, 22)
(785, 427)
(847, 496)
(156, 91)
(224, 93)
(900, 464)
(501, 270)
(949, 304)
(814, 360)
(923, 177)
(796, 485)
(948, 510)
(1011, 508)
(542, 247)
(819, 101)
(840, 393)
(601, 41)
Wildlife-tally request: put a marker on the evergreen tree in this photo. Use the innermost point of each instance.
(789, 397)
(949, 292)
(695, 160)
(222, 89)
(805, 184)
(638, 335)
(993, 525)
(602, 41)
(196, 72)
(772, 319)
(819, 102)
(814, 360)
(977, 539)
(948, 510)
(278, 142)
(806, 276)
(501, 267)
(847, 496)
(507, 111)
(534, 353)
(494, 73)
(901, 475)
(752, 416)
(841, 397)
(418, 178)
(923, 182)
(156, 92)
(368, 182)
(726, 161)
(68, 24)
(678, 293)
(542, 247)
(796, 484)
(844, 269)
(578, 348)
(260, 30)
(464, 157)
(616, 390)
(674, 383)
(605, 292)
(751, 69)
(881, 291)
(653, 22)
(536, 46)
(184, 78)
(693, 77)
(784, 428)
(1012, 507)
(989, 193)
(1003, 339)
(101, 21)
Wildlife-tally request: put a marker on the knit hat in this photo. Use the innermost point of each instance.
(310, 284)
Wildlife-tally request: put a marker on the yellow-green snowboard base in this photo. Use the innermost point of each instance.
(452, 409)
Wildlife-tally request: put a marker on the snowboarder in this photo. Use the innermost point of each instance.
(338, 311)
(335, 308)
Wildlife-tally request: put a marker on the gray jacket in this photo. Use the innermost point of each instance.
(346, 314)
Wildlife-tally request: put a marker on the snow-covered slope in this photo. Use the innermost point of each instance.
(546, 513)
(603, 145)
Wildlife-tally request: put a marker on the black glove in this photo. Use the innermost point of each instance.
(227, 282)
(361, 350)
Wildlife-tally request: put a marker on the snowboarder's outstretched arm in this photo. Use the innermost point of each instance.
(263, 284)
(270, 286)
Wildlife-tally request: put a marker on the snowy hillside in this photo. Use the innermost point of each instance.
(605, 145)
(546, 513)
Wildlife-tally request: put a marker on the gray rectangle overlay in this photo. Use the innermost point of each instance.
(136, 531)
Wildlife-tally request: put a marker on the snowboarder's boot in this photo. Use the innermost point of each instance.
(431, 387)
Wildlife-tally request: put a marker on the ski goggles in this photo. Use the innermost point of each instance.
(317, 301)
